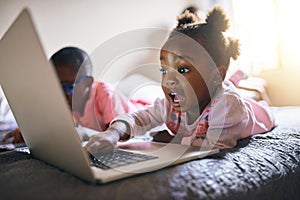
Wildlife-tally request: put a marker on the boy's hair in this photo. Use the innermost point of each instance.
(74, 57)
(210, 35)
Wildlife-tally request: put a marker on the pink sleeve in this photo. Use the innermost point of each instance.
(145, 119)
(105, 100)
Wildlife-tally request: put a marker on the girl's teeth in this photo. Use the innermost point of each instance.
(173, 96)
(176, 98)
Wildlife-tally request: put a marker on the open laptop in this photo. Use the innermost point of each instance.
(40, 108)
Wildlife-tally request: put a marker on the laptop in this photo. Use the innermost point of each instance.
(34, 93)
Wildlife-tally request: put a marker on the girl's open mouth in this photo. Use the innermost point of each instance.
(177, 99)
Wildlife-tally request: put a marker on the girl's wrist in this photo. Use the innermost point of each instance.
(120, 130)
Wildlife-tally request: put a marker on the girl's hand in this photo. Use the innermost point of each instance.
(102, 142)
(16, 134)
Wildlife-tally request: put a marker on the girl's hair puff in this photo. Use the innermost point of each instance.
(210, 35)
(186, 18)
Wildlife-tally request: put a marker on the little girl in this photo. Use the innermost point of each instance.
(199, 108)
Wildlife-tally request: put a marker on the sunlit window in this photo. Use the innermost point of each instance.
(268, 32)
(289, 32)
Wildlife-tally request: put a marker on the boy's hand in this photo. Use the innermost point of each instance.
(16, 134)
(103, 142)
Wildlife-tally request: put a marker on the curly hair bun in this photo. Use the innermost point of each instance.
(233, 49)
(217, 19)
(210, 34)
(186, 18)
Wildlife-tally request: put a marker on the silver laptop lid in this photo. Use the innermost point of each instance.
(35, 96)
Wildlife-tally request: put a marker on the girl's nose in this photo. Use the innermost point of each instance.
(170, 84)
(170, 80)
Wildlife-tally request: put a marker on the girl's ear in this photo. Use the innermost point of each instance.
(217, 75)
(222, 70)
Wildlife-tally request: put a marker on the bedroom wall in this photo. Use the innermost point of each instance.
(89, 24)
(283, 86)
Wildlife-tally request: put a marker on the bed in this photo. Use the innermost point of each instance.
(265, 166)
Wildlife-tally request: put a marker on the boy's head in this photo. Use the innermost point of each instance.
(73, 58)
(74, 68)
(195, 59)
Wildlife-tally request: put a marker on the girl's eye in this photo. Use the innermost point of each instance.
(183, 70)
(163, 71)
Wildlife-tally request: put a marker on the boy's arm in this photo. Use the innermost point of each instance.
(16, 134)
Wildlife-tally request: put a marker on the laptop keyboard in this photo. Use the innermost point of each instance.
(118, 158)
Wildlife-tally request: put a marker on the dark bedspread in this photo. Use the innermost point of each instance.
(264, 166)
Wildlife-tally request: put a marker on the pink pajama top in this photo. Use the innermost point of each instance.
(223, 122)
(104, 104)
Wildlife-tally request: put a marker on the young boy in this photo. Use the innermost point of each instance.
(93, 103)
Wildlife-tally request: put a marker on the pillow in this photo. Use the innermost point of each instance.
(250, 87)
(254, 88)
